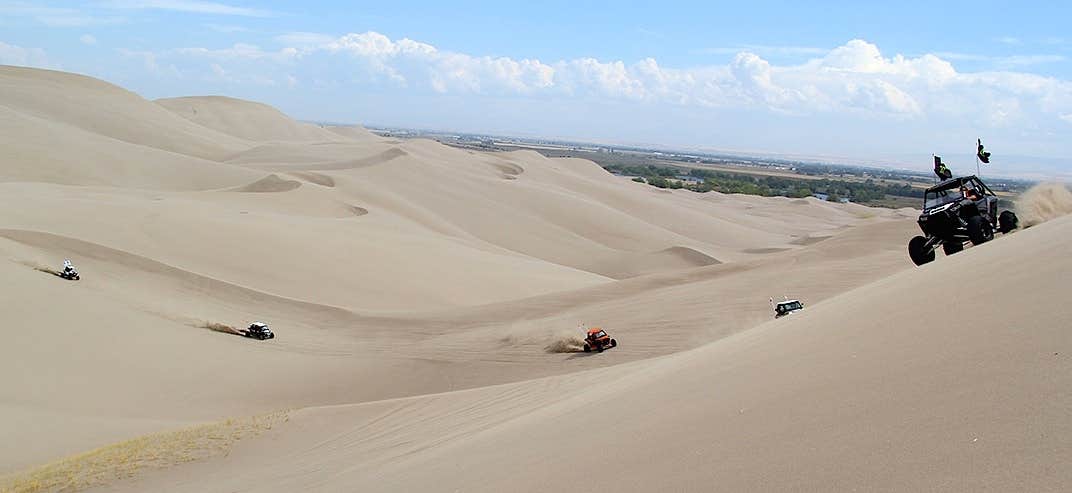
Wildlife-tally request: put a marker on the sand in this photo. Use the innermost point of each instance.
(428, 301)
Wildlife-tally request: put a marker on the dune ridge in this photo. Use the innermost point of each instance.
(270, 184)
(248, 120)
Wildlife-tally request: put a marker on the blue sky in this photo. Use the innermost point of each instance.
(882, 84)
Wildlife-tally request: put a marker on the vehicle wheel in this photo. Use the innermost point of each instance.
(599, 348)
(613, 343)
(1007, 222)
(916, 250)
(951, 247)
(587, 348)
(979, 230)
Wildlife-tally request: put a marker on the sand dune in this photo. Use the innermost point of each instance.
(353, 132)
(317, 178)
(429, 302)
(97, 107)
(89, 159)
(259, 159)
(247, 120)
(269, 184)
(890, 401)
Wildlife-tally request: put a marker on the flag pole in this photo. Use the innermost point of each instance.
(977, 173)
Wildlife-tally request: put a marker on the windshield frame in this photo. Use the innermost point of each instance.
(938, 198)
(949, 192)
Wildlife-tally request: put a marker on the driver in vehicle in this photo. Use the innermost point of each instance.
(969, 193)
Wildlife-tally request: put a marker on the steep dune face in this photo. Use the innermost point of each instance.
(246, 119)
(353, 132)
(901, 395)
(37, 149)
(101, 108)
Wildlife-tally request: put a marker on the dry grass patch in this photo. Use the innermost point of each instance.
(124, 459)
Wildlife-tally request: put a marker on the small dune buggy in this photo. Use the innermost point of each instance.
(69, 271)
(598, 340)
(258, 330)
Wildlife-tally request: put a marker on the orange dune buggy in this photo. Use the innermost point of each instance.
(599, 340)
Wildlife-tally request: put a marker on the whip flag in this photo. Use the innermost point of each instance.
(981, 153)
(941, 169)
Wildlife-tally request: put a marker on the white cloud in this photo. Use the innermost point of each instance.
(240, 51)
(304, 38)
(147, 58)
(55, 16)
(1025, 60)
(970, 57)
(87, 39)
(855, 80)
(27, 57)
(189, 6)
(1009, 40)
(374, 44)
(1004, 62)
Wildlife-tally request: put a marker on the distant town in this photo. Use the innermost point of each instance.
(726, 173)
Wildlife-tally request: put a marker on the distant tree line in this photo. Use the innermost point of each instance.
(704, 180)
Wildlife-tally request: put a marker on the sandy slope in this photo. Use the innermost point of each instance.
(399, 269)
(247, 120)
(877, 389)
(95, 106)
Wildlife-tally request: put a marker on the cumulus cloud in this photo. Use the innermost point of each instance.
(853, 79)
(87, 39)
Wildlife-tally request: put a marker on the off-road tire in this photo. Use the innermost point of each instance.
(600, 348)
(613, 343)
(587, 348)
(1007, 222)
(915, 251)
(979, 230)
(951, 247)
